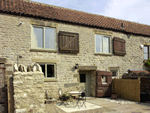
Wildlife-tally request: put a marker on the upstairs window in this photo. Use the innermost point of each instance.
(102, 44)
(43, 37)
(146, 52)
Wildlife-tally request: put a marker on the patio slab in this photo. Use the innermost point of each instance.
(122, 108)
(71, 108)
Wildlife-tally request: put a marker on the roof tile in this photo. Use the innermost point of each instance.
(68, 15)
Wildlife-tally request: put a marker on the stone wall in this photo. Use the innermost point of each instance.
(145, 85)
(29, 92)
(93, 83)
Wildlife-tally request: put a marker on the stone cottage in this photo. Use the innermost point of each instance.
(69, 45)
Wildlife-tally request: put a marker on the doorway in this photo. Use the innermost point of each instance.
(85, 82)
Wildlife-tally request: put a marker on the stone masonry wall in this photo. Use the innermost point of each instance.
(93, 83)
(29, 92)
(145, 84)
(16, 40)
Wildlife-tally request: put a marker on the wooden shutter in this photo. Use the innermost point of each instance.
(103, 90)
(68, 42)
(119, 46)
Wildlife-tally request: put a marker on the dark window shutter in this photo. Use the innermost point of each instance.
(68, 42)
(119, 46)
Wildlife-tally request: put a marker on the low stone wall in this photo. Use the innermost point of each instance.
(29, 92)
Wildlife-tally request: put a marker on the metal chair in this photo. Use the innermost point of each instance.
(81, 99)
(62, 98)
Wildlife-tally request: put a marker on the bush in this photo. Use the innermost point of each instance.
(64, 96)
(147, 63)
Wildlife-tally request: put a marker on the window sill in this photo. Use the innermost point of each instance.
(43, 50)
(104, 54)
(50, 80)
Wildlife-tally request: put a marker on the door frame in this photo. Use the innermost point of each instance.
(87, 83)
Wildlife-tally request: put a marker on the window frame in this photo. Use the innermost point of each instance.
(114, 71)
(108, 36)
(45, 77)
(43, 38)
(148, 50)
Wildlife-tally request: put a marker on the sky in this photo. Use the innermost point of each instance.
(131, 10)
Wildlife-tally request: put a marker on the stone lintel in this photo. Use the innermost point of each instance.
(146, 43)
(103, 32)
(113, 68)
(42, 60)
(43, 23)
(87, 67)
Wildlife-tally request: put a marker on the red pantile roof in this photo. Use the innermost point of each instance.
(73, 16)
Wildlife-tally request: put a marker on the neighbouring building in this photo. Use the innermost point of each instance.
(69, 45)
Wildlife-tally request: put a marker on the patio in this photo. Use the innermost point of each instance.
(101, 105)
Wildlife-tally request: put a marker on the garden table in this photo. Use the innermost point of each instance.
(75, 93)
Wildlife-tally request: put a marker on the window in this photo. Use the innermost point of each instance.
(82, 78)
(49, 70)
(114, 73)
(102, 44)
(146, 52)
(104, 79)
(43, 37)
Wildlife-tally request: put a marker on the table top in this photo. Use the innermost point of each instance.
(74, 92)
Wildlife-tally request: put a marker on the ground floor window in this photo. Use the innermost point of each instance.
(114, 73)
(49, 70)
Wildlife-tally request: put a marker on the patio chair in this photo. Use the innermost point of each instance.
(81, 100)
(62, 98)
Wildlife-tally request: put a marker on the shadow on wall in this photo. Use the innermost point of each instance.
(10, 89)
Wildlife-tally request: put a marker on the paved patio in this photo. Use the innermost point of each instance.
(100, 105)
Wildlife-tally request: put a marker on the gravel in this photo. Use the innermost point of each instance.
(120, 101)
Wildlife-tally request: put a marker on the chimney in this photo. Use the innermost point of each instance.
(122, 26)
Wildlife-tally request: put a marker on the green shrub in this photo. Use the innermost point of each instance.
(147, 63)
(66, 97)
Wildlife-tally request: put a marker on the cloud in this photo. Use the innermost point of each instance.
(91, 6)
(132, 10)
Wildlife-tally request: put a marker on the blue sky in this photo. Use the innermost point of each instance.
(132, 10)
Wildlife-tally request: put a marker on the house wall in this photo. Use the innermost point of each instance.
(16, 40)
